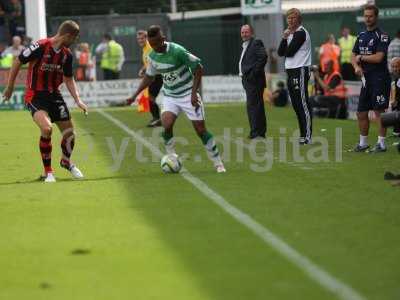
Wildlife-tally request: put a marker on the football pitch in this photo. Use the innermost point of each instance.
(317, 222)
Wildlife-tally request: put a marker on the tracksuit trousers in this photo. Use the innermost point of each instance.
(298, 90)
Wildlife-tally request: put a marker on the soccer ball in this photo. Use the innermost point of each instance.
(171, 163)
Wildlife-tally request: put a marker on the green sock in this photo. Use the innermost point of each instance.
(169, 142)
(167, 136)
(206, 137)
(211, 148)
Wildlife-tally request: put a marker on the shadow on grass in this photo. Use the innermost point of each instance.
(40, 180)
(224, 258)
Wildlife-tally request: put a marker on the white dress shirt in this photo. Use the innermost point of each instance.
(244, 46)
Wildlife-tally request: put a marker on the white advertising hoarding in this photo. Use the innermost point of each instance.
(115, 92)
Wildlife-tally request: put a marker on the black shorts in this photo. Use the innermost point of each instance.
(155, 86)
(52, 103)
(375, 94)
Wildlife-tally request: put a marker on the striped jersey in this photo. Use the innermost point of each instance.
(176, 66)
(47, 66)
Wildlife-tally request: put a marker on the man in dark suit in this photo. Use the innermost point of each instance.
(251, 69)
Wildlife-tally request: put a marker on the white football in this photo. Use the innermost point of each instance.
(171, 163)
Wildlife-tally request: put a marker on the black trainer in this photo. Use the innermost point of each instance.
(154, 123)
(391, 176)
(304, 141)
(360, 148)
(378, 148)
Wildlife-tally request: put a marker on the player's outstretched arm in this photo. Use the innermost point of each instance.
(7, 93)
(146, 81)
(71, 86)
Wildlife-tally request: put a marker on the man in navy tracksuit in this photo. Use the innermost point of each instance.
(369, 60)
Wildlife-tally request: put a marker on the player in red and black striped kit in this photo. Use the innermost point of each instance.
(50, 64)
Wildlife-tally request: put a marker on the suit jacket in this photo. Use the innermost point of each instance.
(253, 64)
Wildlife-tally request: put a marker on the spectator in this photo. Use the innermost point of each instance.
(393, 50)
(334, 93)
(112, 57)
(85, 63)
(395, 92)
(280, 96)
(10, 53)
(251, 68)
(329, 51)
(15, 49)
(346, 43)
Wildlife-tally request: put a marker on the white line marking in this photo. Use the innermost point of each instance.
(313, 271)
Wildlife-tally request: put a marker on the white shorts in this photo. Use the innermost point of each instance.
(176, 105)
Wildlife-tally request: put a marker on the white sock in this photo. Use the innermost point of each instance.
(363, 140)
(213, 153)
(381, 141)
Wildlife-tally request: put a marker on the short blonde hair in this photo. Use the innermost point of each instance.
(68, 27)
(294, 11)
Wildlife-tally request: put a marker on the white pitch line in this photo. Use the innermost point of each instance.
(316, 273)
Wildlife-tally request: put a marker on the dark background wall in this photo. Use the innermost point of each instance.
(101, 7)
(122, 28)
(215, 40)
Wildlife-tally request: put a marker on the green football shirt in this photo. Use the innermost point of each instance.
(175, 65)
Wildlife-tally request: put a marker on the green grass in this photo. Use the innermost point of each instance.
(141, 234)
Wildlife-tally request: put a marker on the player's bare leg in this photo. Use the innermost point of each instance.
(381, 129)
(42, 120)
(210, 145)
(168, 120)
(67, 146)
(363, 124)
(380, 145)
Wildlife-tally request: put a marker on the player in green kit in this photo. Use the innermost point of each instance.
(181, 72)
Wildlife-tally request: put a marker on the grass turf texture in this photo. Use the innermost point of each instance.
(137, 233)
